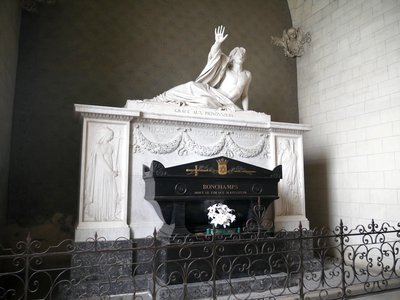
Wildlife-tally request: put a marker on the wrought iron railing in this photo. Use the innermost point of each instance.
(254, 264)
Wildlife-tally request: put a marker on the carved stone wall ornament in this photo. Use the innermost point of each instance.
(104, 176)
(189, 145)
(185, 145)
(140, 143)
(102, 196)
(292, 41)
(290, 191)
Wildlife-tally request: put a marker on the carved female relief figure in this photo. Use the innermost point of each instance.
(102, 198)
(290, 188)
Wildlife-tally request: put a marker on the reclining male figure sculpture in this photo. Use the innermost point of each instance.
(221, 85)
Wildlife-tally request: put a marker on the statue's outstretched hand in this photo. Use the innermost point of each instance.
(219, 34)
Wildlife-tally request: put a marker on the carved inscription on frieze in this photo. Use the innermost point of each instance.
(210, 113)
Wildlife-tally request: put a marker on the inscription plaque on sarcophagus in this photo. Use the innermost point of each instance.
(185, 192)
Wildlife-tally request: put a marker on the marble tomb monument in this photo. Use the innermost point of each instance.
(201, 119)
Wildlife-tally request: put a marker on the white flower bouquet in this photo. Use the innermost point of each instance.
(220, 214)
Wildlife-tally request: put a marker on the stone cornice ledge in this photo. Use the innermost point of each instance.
(191, 115)
(289, 127)
(195, 114)
(105, 112)
(175, 113)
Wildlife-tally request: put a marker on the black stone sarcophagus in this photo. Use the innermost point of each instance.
(185, 192)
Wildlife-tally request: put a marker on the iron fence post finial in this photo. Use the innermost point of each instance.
(373, 226)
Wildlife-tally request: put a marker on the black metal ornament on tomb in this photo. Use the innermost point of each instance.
(184, 192)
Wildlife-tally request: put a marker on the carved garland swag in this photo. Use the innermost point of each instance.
(185, 145)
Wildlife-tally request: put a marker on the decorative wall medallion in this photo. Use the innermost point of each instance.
(292, 41)
(180, 188)
(256, 188)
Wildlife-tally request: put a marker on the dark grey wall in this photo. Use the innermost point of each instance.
(9, 33)
(103, 52)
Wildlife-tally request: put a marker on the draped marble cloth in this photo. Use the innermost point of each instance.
(101, 193)
(203, 91)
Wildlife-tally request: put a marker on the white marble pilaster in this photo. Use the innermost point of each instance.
(290, 208)
(104, 174)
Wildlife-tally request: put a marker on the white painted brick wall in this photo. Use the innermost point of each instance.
(349, 91)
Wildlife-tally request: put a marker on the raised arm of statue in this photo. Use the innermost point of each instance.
(219, 39)
(219, 34)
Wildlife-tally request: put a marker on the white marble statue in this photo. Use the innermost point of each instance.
(101, 192)
(221, 85)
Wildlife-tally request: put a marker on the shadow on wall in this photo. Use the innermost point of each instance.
(317, 197)
(50, 231)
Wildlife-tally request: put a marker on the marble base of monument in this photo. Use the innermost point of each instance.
(109, 231)
(235, 288)
(201, 268)
(241, 288)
